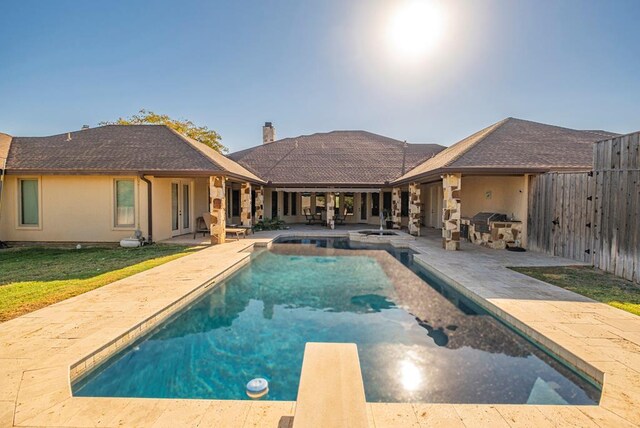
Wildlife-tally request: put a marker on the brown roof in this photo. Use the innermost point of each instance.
(120, 149)
(5, 143)
(515, 145)
(338, 157)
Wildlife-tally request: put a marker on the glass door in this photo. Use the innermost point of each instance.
(175, 209)
(186, 208)
(180, 207)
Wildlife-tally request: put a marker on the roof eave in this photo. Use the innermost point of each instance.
(325, 184)
(435, 174)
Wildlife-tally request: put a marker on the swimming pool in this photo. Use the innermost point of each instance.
(414, 344)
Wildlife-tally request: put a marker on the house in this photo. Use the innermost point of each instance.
(419, 184)
(351, 168)
(103, 184)
(98, 184)
(489, 172)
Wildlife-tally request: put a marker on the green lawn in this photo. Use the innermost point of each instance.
(596, 284)
(31, 278)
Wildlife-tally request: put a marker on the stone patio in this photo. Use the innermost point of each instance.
(38, 350)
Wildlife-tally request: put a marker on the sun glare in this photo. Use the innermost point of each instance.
(415, 29)
(410, 375)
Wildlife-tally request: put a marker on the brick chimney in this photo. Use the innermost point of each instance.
(268, 133)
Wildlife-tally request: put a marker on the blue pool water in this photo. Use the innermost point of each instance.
(414, 344)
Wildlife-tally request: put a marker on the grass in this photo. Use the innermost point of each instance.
(590, 282)
(32, 278)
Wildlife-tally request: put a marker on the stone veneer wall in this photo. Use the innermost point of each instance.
(259, 203)
(451, 184)
(414, 209)
(500, 234)
(245, 205)
(331, 210)
(217, 208)
(396, 202)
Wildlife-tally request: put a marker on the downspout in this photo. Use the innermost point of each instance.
(2, 190)
(149, 208)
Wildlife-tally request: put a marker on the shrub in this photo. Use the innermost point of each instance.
(269, 224)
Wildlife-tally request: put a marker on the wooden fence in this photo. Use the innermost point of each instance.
(592, 217)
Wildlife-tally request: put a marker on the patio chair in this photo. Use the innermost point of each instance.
(339, 218)
(203, 225)
(238, 231)
(312, 218)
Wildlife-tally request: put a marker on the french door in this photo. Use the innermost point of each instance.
(181, 207)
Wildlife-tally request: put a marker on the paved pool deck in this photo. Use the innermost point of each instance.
(39, 351)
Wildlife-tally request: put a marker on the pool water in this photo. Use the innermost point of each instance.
(414, 344)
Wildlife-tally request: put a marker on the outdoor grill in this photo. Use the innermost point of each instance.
(482, 221)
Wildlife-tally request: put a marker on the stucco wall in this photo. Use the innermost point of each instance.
(73, 209)
(502, 194)
(201, 195)
(80, 208)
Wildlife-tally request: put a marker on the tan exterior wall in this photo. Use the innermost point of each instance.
(503, 194)
(80, 209)
(72, 209)
(201, 196)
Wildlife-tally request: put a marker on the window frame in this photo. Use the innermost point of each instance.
(114, 202)
(19, 224)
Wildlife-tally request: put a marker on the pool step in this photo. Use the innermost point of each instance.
(331, 392)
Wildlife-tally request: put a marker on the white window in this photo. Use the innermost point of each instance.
(125, 203)
(29, 202)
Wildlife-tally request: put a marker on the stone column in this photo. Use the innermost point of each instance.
(415, 207)
(331, 209)
(259, 203)
(217, 208)
(451, 184)
(396, 201)
(313, 203)
(245, 205)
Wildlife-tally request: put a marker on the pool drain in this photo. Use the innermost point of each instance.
(257, 388)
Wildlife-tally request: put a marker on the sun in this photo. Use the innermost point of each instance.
(415, 29)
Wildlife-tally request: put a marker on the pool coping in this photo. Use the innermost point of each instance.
(36, 383)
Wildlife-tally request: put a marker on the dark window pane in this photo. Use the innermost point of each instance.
(386, 202)
(29, 202)
(274, 204)
(404, 204)
(320, 202)
(125, 191)
(347, 207)
(363, 206)
(375, 204)
(235, 200)
(285, 203)
(294, 203)
(253, 203)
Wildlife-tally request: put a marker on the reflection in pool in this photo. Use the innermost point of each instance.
(413, 343)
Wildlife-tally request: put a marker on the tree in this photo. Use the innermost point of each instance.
(199, 133)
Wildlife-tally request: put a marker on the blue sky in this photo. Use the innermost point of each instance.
(313, 66)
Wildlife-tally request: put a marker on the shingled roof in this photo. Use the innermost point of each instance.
(337, 158)
(150, 149)
(514, 145)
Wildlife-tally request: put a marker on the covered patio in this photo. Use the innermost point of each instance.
(478, 188)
